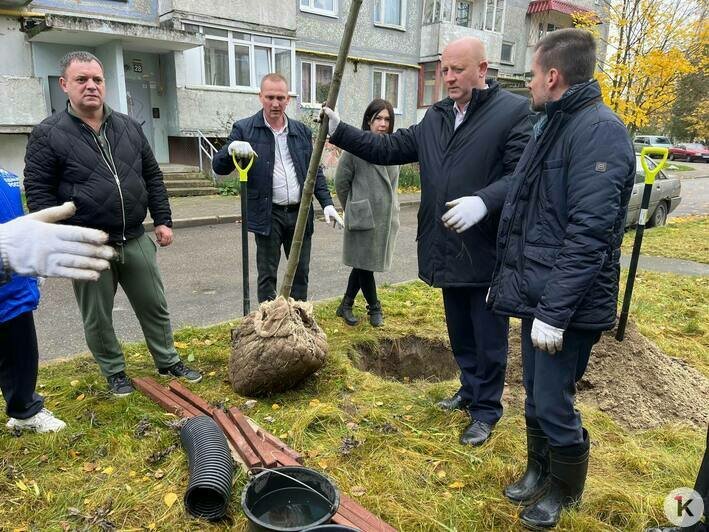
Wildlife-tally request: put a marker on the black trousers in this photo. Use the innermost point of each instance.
(479, 342)
(550, 384)
(362, 280)
(19, 360)
(268, 255)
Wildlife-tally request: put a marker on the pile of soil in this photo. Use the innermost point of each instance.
(633, 381)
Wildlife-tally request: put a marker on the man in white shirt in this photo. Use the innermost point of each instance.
(284, 147)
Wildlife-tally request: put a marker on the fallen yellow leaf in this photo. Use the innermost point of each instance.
(275, 406)
(35, 488)
(379, 403)
(322, 464)
(408, 407)
(211, 373)
(441, 474)
(108, 470)
(283, 436)
(181, 345)
(74, 383)
(151, 526)
(81, 397)
(314, 402)
(456, 485)
(131, 474)
(21, 485)
(159, 474)
(207, 342)
(169, 499)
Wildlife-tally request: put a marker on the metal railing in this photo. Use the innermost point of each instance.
(206, 147)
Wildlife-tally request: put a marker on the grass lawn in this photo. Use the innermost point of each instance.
(382, 441)
(673, 166)
(682, 238)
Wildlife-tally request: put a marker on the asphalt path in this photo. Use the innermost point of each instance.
(202, 275)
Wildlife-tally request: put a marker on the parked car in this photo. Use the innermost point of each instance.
(654, 141)
(664, 199)
(692, 151)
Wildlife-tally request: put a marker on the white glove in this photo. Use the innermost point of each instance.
(546, 337)
(331, 213)
(32, 245)
(463, 213)
(334, 119)
(241, 149)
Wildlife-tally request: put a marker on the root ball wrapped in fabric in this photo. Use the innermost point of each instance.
(276, 347)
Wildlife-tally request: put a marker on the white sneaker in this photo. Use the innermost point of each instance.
(42, 421)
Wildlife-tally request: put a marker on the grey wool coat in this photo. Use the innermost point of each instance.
(368, 193)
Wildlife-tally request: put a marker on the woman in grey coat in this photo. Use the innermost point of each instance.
(368, 194)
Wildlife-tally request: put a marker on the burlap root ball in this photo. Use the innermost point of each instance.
(276, 347)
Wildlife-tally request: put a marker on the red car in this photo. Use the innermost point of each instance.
(690, 152)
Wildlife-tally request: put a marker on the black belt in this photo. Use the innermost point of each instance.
(286, 208)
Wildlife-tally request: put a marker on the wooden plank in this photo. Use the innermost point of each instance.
(187, 407)
(190, 397)
(373, 522)
(159, 398)
(262, 448)
(237, 439)
(265, 435)
(339, 519)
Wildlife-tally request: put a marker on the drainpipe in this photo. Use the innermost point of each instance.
(19, 13)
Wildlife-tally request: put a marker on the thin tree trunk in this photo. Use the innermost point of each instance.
(309, 185)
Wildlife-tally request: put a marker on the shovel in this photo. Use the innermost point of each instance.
(243, 179)
(644, 204)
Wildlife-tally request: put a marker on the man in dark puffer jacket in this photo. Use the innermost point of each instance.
(101, 160)
(558, 261)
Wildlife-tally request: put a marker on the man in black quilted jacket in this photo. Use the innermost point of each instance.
(101, 160)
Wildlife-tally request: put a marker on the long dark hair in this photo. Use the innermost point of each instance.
(373, 109)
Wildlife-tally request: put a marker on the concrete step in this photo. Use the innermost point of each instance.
(172, 176)
(186, 183)
(200, 191)
(169, 168)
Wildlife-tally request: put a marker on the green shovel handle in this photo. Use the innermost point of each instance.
(651, 173)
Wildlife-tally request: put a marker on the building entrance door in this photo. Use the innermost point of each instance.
(138, 96)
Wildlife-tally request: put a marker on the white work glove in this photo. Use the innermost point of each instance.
(334, 119)
(546, 337)
(33, 245)
(241, 149)
(331, 213)
(463, 213)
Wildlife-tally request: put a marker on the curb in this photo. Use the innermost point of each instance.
(182, 223)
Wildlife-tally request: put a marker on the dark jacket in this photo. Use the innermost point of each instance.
(563, 218)
(20, 293)
(112, 192)
(256, 132)
(485, 147)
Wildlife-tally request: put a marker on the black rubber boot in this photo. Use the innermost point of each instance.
(568, 468)
(376, 318)
(536, 478)
(344, 311)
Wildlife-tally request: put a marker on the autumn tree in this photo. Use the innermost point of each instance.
(652, 45)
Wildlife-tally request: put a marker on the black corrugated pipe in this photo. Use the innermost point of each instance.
(211, 468)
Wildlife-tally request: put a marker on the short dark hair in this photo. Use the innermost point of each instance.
(80, 56)
(572, 51)
(373, 109)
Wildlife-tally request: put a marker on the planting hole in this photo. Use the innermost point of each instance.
(407, 358)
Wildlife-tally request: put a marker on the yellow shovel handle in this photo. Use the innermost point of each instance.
(651, 173)
(243, 172)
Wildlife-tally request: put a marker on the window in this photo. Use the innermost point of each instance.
(389, 12)
(428, 81)
(386, 85)
(237, 59)
(321, 7)
(315, 80)
(507, 54)
(462, 16)
(494, 13)
(552, 27)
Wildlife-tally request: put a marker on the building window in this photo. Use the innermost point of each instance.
(389, 12)
(494, 14)
(429, 79)
(238, 59)
(315, 80)
(387, 85)
(462, 15)
(321, 7)
(507, 54)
